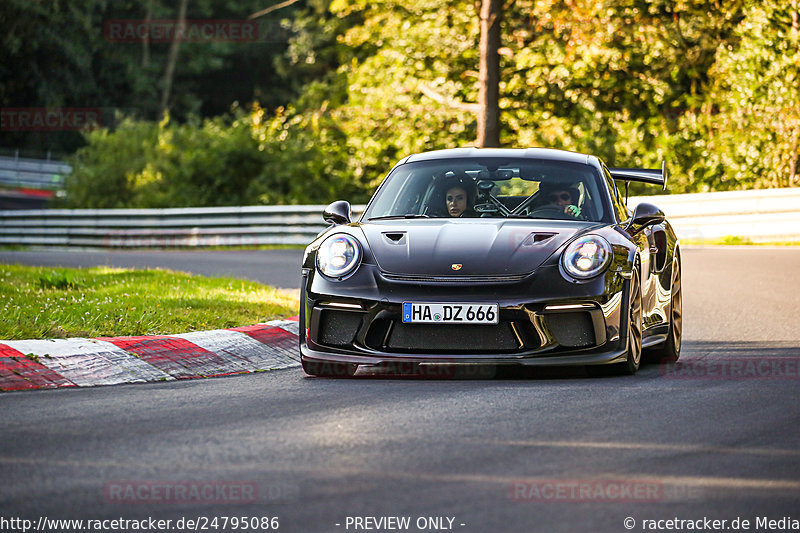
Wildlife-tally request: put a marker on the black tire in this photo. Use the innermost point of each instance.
(329, 370)
(631, 364)
(670, 350)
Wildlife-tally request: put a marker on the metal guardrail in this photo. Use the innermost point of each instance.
(764, 215)
(40, 174)
(163, 228)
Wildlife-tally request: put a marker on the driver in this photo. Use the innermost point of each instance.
(565, 198)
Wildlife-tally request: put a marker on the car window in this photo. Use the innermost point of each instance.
(510, 188)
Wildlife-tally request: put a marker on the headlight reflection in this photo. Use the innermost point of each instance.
(338, 256)
(587, 257)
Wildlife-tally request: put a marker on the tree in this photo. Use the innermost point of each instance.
(752, 118)
(411, 80)
(172, 57)
(60, 54)
(489, 79)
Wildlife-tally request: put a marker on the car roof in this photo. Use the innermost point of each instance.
(527, 153)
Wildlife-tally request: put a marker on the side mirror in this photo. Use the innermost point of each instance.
(644, 215)
(337, 213)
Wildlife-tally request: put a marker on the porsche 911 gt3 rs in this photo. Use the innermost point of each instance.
(493, 256)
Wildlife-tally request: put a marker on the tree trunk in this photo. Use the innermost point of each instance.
(489, 76)
(270, 9)
(172, 58)
(146, 40)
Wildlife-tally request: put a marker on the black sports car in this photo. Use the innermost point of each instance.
(493, 256)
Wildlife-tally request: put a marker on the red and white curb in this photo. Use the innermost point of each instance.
(79, 362)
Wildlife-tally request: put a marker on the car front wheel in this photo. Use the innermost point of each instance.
(631, 365)
(670, 350)
(634, 332)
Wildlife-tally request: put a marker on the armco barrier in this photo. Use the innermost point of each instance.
(766, 215)
(763, 215)
(163, 228)
(40, 174)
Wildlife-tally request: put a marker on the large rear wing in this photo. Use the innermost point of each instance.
(654, 176)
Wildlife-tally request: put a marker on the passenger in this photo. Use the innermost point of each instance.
(456, 201)
(460, 197)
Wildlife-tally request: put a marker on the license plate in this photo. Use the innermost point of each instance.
(449, 313)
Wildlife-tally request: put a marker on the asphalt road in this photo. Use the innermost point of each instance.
(550, 451)
(280, 268)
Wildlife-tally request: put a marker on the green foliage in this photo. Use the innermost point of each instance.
(194, 164)
(748, 131)
(714, 92)
(611, 78)
(291, 158)
(104, 171)
(306, 159)
(143, 164)
(413, 65)
(59, 54)
(58, 280)
(735, 240)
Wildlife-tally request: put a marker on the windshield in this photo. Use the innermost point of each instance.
(510, 188)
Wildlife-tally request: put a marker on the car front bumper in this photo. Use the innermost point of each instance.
(544, 320)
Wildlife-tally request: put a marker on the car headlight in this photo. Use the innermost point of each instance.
(586, 257)
(338, 256)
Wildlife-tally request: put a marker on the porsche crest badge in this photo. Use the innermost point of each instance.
(456, 266)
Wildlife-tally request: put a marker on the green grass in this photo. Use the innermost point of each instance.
(42, 302)
(23, 248)
(733, 240)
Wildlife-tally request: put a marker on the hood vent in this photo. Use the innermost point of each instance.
(395, 237)
(537, 238)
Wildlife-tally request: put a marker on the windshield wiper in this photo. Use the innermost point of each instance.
(389, 217)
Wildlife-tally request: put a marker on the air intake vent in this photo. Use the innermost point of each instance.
(537, 238)
(396, 237)
(338, 328)
(452, 338)
(573, 330)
